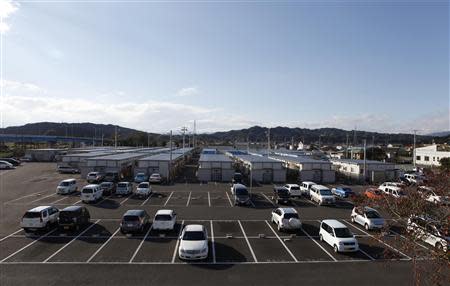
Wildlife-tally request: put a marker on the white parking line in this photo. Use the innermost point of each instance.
(12, 234)
(140, 245)
(36, 200)
(209, 200)
(404, 237)
(28, 245)
(231, 204)
(318, 244)
(189, 199)
(57, 201)
(366, 254)
(178, 242)
(126, 199)
(248, 242)
(103, 245)
(391, 247)
(168, 198)
(267, 198)
(147, 199)
(282, 242)
(212, 242)
(67, 244)
(23, 197)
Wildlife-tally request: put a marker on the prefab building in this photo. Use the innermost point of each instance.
(309, 169)
(215, 168)
(45, 155)
(160, 163)
(260, 168)
(122, 163)
(79, 160)
(376, 171)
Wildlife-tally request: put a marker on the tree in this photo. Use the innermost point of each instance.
(445, 164)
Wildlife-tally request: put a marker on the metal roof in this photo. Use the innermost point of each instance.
(360, 162)
(118, 157)
(255, 159)
(214, 158)
(90, 154)
(299, 159)
(162, 157)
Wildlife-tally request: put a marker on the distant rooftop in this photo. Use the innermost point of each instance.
(214, 158)
(162, 157)
(118, 156)
(359, 162)
(298, 159)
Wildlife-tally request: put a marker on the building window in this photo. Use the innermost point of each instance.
(427, 158)
(418, 158)
(434, 158)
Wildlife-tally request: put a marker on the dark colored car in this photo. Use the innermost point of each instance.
(112, 177)
(108, 188)
(12, 161)
(237, 178)
(67, 170)
(73, 218)
(134, 221)
(281, 195)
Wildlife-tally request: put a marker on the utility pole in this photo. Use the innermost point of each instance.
(115, 138)
(148, 140)
(170, 158)
(320, 137)
(248, 144)
(184, 129)
(103, 135)
(268, 142)
(346, 149)
(193, 135)
(365, 166)
(414, 148)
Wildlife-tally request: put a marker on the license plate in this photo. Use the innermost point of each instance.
(66, 227)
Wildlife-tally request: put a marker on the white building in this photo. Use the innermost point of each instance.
(430, 155)
(376, 171)
(215, 167)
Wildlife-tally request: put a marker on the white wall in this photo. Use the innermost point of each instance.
(429, 156)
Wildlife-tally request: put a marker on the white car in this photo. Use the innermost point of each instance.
(322, 195)
(429, 231)
(193, 242)
(39, 218)
(367, 217)
(294, 190)
(164, 220)
(67, 186)
(338, 236)
(414, 178)
(431, 196)
(6, 165)
(155, 178)
(143, 190)
(91, 193)
(391, 184)
(124, 188)
(305, 188)
(395, 192)
(94, 177)
(286, 219)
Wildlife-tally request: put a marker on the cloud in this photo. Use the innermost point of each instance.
(7, 8)
(188, 91)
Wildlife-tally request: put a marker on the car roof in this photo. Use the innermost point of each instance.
(279, 188)
(106, 183)
(123, 182)
(95, 172)
(288, 210)
(334, 223)
(292, 185)
(321, 187)
(308, 182)
(156, 174)
(367, 209)
(164, 212)
(91, 186)
(39, 209)
(194, 227)
(139, 174)
(68, 180)
(71, 208)
(133, 212)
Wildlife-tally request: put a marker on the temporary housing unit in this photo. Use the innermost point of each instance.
(122, 163)
(215, 167)
(319, 171)
(79, 160)
(160, 163)
(376, 171)
(260, 168)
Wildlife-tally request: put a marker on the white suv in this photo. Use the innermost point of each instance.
(322, 195)
(39, 218)
(294, 190)
(367, 217)
(337, 235)
(67, 186)
(428, 231)
(91, 193)
(395, 192)
(305, 188)
(143, 190)
(193, 242)
(124, 188)
(164, 220)
(286, 219)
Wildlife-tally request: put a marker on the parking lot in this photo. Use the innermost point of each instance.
(239, 237)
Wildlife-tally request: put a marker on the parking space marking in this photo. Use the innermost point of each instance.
(270, 201)
(28, 245)
(248, 242)
(212, 242)
(12, 234)
(209, 200)
(126, 199)
(23, 197)
(77, 202)
(143, 203)
(404, 237)
(168, 198)
(189, 199)
(366, 254)
(102, 246)
(391, 247)
(282, 242)
(140, 245)
(231, 204)
(36, 200)
(67, 244)
(318, 244)
(178, 241)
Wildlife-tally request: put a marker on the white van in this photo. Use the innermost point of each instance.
(337, 235)
(395, 192)
(305, 188)
(322, 195)
(91, 193)
(67, 186)
(39, 218)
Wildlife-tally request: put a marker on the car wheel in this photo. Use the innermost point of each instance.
(366, 226)
(320, 237)
(438, 247)
(335, 248)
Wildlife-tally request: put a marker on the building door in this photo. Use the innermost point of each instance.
(317, 176)
(216, 175)
(267, 176)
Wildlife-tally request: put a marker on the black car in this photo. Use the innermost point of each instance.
(237, 178)
(112, 177)
(108, 188)
(281, 195)
(12, 161)
(73, 218)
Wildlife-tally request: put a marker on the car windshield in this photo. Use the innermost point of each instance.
(143, 185)
(343, 232)
(372, 214)
(194, 235)
(64, 184)
(163, 217)
(241, 192)
(105, 185)
(32, 215)
(295, 188)
(92, 174)
(291, 215)
(140, 175)
(325, 192)
(122, 185)
(130, 218)
(87, 191)
(155, 176)
(282, 192)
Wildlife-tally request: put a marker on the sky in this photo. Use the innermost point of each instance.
(156, 66)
